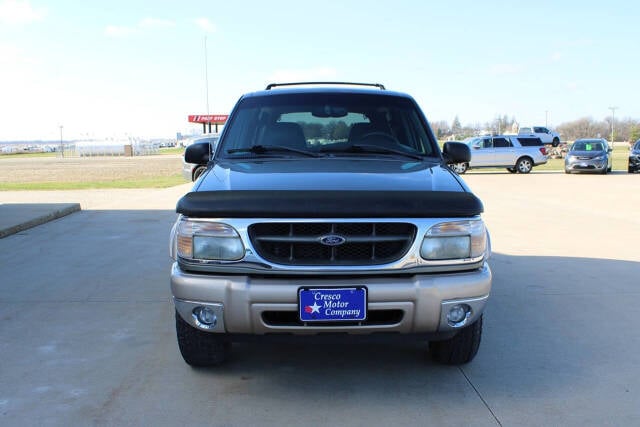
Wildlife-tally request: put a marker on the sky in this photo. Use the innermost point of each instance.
(137, 68)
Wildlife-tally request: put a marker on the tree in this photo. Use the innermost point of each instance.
(340, 131)
(456, 127)
(440, 129)
(311, 130)
(634, 133)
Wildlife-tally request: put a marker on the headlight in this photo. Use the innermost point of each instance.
(208, 241)
(454, 240)
(599, 157)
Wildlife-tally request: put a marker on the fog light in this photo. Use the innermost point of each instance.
(206, 316)
(458, 315)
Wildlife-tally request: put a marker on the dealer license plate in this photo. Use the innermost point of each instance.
(332, 304)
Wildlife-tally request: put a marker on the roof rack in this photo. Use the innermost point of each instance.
(378, 85)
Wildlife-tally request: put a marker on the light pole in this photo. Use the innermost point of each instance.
(206, 73)
(546, 119)
(61, 143)
(613, 118)
(206, 82)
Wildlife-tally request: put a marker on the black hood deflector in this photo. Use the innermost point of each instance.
(329, 204)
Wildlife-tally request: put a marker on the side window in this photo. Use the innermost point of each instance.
(487, 143)
(529, 142)
(501, 143)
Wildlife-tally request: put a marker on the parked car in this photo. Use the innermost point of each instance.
(589, 155)
(546, 136)
(362, 234)
(192, 171)
(634, 158)
(516, 153)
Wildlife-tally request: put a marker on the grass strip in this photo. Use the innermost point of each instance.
(152, 182)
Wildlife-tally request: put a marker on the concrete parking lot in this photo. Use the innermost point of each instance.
(87, 334)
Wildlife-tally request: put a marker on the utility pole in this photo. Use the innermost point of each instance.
(61, 143)
(613, 118)
(546, 119)
(206, 78)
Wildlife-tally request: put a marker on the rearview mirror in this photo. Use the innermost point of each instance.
(198, 153)
(456, 152)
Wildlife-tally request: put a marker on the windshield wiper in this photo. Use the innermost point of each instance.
(370, 148)
(263, 149)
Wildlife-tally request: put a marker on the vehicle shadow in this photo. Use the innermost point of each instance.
(551, 323)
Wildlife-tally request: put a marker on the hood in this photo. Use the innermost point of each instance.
(589, 154)
(371, 174)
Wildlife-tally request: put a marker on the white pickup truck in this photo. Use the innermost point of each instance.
(546, 136)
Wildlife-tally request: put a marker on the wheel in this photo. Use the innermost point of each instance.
(610, 168)
(459, 168)
(604, 171)
(629, 170)
(555, 142)
(524, 165)
(512, 170)
(200, 348)
(198, 171)
(460, 349)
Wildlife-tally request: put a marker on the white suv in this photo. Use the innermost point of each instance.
(517, 154)
(546, 136)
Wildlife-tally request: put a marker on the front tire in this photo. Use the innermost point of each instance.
(200, 348)
(524, 165)
(460, 349)
(459, 168)
(198, 171)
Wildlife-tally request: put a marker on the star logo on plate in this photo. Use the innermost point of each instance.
(315, 308)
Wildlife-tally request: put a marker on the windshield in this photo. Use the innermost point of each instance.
(327, 124)
(472, 140)
(587, 146)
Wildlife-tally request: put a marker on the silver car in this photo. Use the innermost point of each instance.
(589, 155)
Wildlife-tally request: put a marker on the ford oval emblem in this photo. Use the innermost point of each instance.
(332, 240)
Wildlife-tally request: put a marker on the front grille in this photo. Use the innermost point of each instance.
(300, 243)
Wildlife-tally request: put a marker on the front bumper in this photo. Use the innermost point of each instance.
(586, 165)
(265, 305)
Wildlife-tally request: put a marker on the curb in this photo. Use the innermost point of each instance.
(59, 212)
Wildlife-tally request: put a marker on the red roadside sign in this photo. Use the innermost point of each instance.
(217, 119)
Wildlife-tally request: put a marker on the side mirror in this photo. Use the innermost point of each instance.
(198, 153)
(456, 152)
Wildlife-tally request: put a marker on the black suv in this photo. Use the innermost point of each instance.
(325, 212)
(634, 158)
